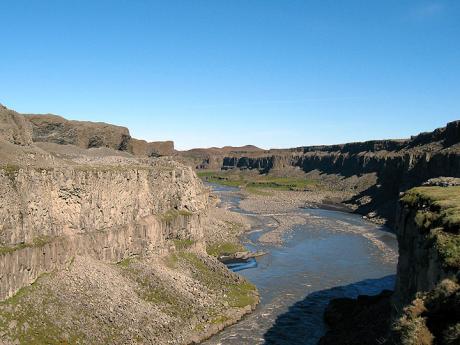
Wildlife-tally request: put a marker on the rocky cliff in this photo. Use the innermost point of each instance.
(397, 164)
(425, 306)
(102, 246)
(109, 212)
(427, 296)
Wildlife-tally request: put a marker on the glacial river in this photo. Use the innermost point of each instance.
(335, 254)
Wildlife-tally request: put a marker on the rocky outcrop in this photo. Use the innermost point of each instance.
(152, 149)
(56, 129)
(428, 238)
(14, 128)
(48, 128)
(353, 321)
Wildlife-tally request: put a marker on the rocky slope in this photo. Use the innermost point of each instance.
(396, 165)
(102, 246)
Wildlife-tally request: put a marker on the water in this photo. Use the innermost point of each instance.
(334, 255)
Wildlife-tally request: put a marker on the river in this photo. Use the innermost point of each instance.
(336, 254)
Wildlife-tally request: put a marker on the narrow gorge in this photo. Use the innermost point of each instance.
(107, 239)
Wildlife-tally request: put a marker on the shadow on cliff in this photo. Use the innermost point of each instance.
(303, 322)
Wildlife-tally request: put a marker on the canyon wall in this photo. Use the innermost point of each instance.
(398, 164)
(426, 302)
(424, 309)
(50, 215)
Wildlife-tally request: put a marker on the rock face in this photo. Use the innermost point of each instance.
(427, 295)
(428, 234)
(49, 216)
(398, 164)
(353, 321)
(102, 246)
(56, 129)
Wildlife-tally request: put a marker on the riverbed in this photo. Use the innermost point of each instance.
(334, 254)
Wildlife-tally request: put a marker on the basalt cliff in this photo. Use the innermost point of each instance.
(387, 167)
(103, 242)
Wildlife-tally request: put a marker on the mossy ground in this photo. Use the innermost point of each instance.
(224, 248)
(256, 183)
(21, 321)
(439, 212)
(443, 202)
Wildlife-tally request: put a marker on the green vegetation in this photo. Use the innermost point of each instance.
(255, 183)
(219, 319)
(448, 246)
(39, 241)
(238, 294)
(10, 249)
(153, 291)
(183, 244)
(439, 212)
(441, 206)
(172, 214)
(224, 248)
(20, 320)
(10, 171)
(241, 295)
(126, 262)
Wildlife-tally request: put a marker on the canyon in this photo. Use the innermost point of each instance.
(113, 240)
(373, 173)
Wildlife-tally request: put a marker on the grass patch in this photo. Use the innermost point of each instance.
(241, 295)
(256, 184)
(238, 294)
(31, 325)
(169, 300)
(154, 291)
(438, 211)
(39, 241)
(219, 319)
(171, 261)
(448, 246)
(126, 262)
(172, 214)
(183, 244)
(11, 170)
(442, 202)
(225, 248)
(9, 249)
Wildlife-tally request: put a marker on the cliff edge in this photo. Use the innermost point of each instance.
(102, 246)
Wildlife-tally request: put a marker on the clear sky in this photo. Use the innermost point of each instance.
(274, 73)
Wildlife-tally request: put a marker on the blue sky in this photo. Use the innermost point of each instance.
(274, 73)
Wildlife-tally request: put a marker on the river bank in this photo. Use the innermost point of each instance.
(313, 256)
